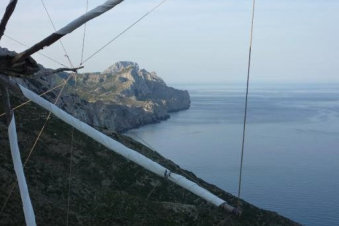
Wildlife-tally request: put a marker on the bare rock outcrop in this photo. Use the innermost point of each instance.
(120, 98)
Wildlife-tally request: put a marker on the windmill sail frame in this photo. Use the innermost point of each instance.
(16, 158)
(23, 59)
(49, 40)
(19, 171)
(27, 66)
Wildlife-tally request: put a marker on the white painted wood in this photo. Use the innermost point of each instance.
(19, 171)
(125, 151)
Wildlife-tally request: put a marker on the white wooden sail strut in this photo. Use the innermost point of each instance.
(18, 167)
(126, 152)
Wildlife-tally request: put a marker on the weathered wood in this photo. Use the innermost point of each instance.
(109, 4)
(21, 69)
(5, 81)
(8, 13)
(27, 68)
(44, 73)
(17, 163)
(35, 48)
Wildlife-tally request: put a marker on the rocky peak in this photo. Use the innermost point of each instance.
(128, 70)
(120, 98)
(151, 76)
(120, 67)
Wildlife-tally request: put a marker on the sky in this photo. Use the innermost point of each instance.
(200, 41)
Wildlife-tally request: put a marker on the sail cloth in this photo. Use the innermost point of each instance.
(125, 151)
(19, 171)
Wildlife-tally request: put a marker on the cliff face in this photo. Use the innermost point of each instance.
(120, 98)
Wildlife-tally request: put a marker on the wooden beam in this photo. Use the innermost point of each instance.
(18, 167)
(8, 13)
(5, 81)
(109, 4)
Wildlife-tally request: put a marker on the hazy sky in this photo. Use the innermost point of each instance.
(196, 40)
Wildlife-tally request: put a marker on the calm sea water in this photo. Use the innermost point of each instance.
(291, 162)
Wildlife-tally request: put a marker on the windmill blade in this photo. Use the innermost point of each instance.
(8, 13)
(19, 171)
(126, 152)
(109, 4)
(18, 168)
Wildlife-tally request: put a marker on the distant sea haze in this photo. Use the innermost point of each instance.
(291, 162)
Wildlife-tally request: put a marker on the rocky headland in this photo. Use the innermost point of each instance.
(121, 97)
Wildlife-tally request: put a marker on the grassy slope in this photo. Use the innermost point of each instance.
(106, 189)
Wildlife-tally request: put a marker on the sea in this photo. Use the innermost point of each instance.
(291, 156)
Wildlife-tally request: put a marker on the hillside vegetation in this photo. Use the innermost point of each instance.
(106, 189)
